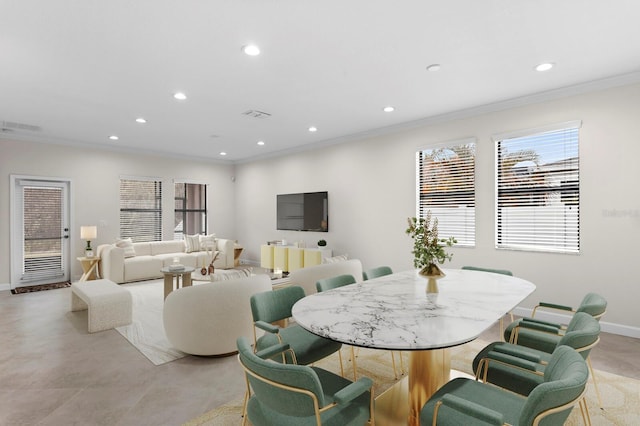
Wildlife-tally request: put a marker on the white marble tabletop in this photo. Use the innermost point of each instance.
(394, 311)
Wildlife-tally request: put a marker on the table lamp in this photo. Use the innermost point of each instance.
(88, 233)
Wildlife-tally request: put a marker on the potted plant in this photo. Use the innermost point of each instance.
(428, 249)
(322, 243)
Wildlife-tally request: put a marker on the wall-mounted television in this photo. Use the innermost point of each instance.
(305, 211)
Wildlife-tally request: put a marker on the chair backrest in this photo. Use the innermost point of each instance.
(582, 333)
(495, 271)
(380, 271)
(565, 378)
(593, 304)
(288, 389)
(334, 282)
(275, 305)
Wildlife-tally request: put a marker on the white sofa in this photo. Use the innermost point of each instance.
(206, 319)
(307, 277)
(150, 257)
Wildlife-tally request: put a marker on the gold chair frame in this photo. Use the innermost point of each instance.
(316, 406)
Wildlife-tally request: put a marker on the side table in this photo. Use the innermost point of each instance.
(185, 273)
(237, 251)
(89, 267)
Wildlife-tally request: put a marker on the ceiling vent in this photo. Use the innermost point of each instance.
(253, 113)
(12, 125)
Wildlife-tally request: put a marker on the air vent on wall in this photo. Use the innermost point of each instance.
(256, 114)
(12, 125)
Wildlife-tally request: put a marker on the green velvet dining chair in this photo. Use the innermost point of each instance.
(298, 395)
(465, 401)
(582, 334)
(271, 311)
(592, 304)
(379, 271)
(493, 271)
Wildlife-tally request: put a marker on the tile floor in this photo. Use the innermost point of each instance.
(52, 372)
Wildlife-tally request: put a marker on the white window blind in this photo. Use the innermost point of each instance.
(141, 209)
(190, 215)
(446, 186)
(538, 191)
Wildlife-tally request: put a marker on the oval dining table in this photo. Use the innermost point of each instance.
(394, 312)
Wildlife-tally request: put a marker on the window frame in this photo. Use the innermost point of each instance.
(569, 206)
(179, 235)
(466, 220)
(155, 223)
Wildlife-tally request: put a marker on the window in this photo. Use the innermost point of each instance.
(141, 209)
(538, 190)
(190, 210)
(446, 186)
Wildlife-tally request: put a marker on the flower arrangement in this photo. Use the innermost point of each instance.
(428, 249)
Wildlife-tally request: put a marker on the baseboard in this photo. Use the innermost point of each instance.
(607, 327)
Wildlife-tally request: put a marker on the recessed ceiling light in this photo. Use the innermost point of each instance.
(388, 109)
(313, 129)
(434, 67)
(140, 120)
(545, 66)
(180, 96)
(114, 137)
(223, 153)
(261, 143)
(251, 50)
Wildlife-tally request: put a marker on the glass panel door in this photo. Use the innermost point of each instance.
(42, 234)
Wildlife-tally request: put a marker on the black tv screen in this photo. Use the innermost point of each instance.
(308, 211)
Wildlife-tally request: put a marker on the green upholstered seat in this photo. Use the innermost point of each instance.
(469, 402)
(273, 306)
(380, 271)
(334, 282)
(519, 368)
(297, 395)
(592, 304)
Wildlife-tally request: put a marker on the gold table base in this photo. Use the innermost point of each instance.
(428, 371)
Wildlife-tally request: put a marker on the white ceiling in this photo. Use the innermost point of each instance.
(82, 70)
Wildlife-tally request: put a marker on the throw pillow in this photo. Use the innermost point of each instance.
(232, 275)
(192, 243)
(335, 259)
(208, 242)
(127, 245)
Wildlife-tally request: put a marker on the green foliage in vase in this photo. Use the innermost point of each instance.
(428, 249)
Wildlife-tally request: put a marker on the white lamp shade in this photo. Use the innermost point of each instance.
(88, 232)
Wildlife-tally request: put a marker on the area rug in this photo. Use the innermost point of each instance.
(146, 331)
(620, 395)
(41, 287)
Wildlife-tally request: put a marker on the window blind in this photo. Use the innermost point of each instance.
(43, 213)
(446, 186)
(141, 210)
(538, 192)
(190, 214)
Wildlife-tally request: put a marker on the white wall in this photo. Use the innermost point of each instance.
(95, 177)
(371, 185)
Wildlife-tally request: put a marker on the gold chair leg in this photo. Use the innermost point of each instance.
(353, 358)
(595, 383)
(584, 410)
(501, 329)
(341, 367)
(402, 369)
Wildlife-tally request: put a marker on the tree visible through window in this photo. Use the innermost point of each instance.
(141, 209)
(446, 186)
(190, 210)
(538, 192)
